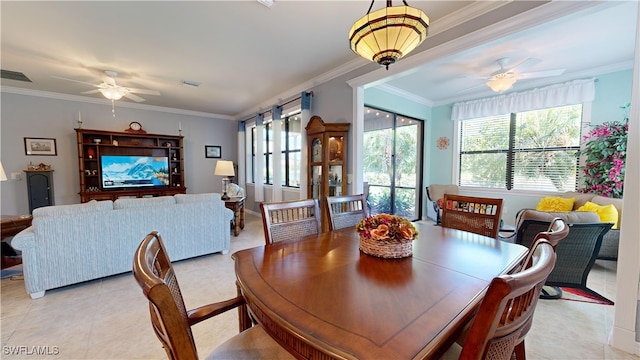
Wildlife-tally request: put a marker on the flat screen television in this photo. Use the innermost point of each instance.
(127, 171)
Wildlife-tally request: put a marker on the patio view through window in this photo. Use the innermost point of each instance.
(533, 150)
(392, 159)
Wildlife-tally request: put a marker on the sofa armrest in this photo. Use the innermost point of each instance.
(25, 239)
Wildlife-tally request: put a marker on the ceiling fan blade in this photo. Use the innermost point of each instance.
(81, 82)
(471, 88)
(133, 97)
(90, 91)
(541, 74)
(143, 91)
(524, 63)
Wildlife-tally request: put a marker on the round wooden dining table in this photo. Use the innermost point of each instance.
(321, 298)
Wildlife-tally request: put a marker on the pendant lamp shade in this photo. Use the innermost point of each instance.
(386, 35)
(502, 83)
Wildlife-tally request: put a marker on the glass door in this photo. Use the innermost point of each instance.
(392, 158)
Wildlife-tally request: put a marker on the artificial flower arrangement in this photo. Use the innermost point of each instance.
(605, 154)
(387, 236)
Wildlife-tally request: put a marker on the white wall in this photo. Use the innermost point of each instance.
(49, 117)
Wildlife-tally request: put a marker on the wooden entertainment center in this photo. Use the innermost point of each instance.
(94, 144)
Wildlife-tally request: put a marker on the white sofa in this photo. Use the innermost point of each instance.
(69, 244)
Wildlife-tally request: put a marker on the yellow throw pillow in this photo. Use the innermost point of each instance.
(555, 203)
(607, 213)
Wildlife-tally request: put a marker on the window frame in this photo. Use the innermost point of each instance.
(457, 139)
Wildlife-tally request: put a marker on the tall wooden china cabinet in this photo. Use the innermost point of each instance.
(327, 162)
(98, 150)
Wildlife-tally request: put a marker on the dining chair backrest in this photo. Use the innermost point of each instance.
(290, 220)
(474, 214)
(557, 230)
(346, 211)
(172, 322)
(154, 273)
(506, 312)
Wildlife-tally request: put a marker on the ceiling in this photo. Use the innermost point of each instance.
(246, 56)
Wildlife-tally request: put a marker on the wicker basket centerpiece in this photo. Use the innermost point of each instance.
(386, 236)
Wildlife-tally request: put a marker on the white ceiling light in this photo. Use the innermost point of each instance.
(112, 93)
(502, 82)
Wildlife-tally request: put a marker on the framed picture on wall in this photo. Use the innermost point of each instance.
(40, 146)
(211, 151)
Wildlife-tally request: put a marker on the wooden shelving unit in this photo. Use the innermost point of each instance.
(92, 144)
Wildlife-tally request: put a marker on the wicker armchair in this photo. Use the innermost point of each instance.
(345, 211)
(576, 253)
(474, 214)
(290, 220)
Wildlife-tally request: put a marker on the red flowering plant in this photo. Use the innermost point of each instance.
(605, 153)
(385, 227)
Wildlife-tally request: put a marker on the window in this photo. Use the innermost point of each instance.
(291, 145)
(292, 150)
(533, 150)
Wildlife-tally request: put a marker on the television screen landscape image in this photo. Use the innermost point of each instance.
(125, 171)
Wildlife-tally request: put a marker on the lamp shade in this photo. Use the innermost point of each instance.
(386, 35)
(501, 83)
(3, 176)
(112, 93)
(224, 168)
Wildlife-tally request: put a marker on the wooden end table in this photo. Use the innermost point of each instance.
(236, 204)
(10, 226)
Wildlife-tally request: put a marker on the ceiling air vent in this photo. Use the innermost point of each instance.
(14, 75)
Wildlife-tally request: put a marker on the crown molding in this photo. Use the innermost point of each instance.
(122, 104)
(405, 94)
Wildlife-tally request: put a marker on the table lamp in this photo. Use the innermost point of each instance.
(3, 176)
(224, 168)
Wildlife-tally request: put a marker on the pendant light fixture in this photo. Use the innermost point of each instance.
(386, 35)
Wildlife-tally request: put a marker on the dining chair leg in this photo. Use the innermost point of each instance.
(244, 321)
(519, 352)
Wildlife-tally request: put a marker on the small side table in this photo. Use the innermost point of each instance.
(10, 226)
(236, 204)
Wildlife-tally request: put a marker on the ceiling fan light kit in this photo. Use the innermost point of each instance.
(386, 35)
(112, 93)
(502, 82)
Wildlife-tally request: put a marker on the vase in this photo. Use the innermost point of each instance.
(389, 249)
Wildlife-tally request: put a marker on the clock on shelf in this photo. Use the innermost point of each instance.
(135, 127)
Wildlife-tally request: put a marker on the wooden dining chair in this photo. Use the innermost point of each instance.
(172, 322)
(345, 211)
(506, 312)
(474, 214)
(290, 220)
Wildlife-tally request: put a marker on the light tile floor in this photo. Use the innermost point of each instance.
(109, 318)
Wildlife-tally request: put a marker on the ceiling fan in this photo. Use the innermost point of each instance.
(504, 78)
(112, 91)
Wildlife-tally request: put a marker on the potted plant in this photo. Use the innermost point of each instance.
(605, 153)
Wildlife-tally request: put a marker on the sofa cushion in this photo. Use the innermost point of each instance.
(580, 198)
(88, 207)
(601, 200)
(606, 213)
(195, 198)
(571, 217)
(555, 203)
(143, 202)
